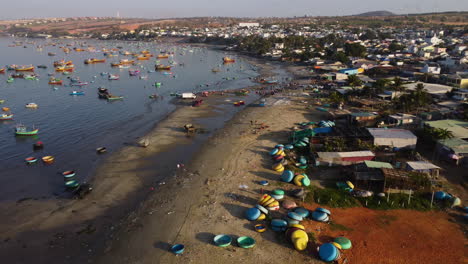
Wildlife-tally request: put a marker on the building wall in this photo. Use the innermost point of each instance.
(396, 142)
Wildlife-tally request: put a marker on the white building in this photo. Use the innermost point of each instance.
(431, 68)
(249, 25)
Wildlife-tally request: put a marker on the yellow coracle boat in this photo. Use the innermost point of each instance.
(142, 58)
(163, 56)
(48, 159)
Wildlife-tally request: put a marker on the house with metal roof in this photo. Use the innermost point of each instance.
(396, 138)
(459, 128)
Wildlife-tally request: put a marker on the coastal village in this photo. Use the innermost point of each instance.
(360, 155)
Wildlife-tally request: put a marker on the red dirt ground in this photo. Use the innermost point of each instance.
(391, 237)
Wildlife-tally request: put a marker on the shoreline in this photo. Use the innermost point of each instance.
(48, 221)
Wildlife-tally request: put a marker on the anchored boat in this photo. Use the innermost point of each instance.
(21, 130)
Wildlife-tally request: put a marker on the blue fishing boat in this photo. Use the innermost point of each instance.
(76, 93)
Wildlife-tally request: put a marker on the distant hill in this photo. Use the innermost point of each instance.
(376, 13)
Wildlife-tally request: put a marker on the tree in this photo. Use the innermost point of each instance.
(397, 84)
(355, 50)
(341, 57)
(336, 97)
(354, 81)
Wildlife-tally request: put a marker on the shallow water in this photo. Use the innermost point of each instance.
(72, 127)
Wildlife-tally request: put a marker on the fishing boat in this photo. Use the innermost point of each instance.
(153, 96)
(111, 97)
(72, 184)
(11, 67)
(5, 109)
(10, 80)
(77, 93)
(21, 130)
(6, 117)
(31, 77)
(30, 160)
(143, 58)
(125, 61)
(134, 72)
(2, 70)
(31, 105)
(124, 66)
(93, 60)
(79, 83)
(2, 101)
(25, 68)
(55, 81)
(42, 66)
(163, 56)
(215, 70)
(51, 54)
(62, 63)
(48, 159)
(101, 150)
(17, 75)
(161, 67)
(228, 60)
(68, 174)
(271, 81)
(116, 64)
(103, 93)
(113, 77)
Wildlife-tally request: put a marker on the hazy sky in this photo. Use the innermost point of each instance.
(238, 8)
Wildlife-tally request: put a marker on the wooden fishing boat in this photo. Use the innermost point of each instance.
(228, 60)
(116, 64)
(17, 75)
(77, 93)
(163, 56)
(111, 97)
(125, 61)
(31, 105)
(5, 109)
(142, 58)
(93, 60)
(51, 54)
(2, 70)
(48, 159)
(79, 83)
(161, 67)
(25, 68)
(133, 72)
(30, 160)
(21, 130)
(42, 66)
(54, 81)
(10, 80)
(145, 52)
(6, 117)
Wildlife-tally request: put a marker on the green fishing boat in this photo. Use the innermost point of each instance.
(23, 131)
(113, 97)
(2, 101)
(10, 80)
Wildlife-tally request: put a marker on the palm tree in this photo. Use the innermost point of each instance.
(398, 84)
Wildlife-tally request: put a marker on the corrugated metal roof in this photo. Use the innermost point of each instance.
(349, 154)
(459, 128)
(390, 133)
(378, 164)
(422, 165)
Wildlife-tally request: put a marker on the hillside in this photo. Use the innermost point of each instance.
(376, 13)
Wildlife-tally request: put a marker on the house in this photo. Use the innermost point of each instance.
(461, 94)
(351, 71)
(368, 175)
(459, 79)
(435, 90)
(362, 117)
(459, 128)
(432, 68)
(397, 138)
(342, 158)
(401, 180)
(423, 167)
(248, 25)
(453, 149)
(402, 119)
